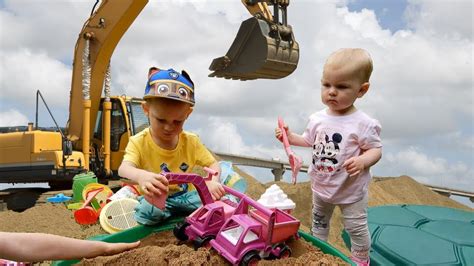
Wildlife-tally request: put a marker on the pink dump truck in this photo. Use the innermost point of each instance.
(251, 234)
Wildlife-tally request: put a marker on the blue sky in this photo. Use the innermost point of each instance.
(389, 12)
(421, 88)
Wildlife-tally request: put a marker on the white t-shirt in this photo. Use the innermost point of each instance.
(334, 140)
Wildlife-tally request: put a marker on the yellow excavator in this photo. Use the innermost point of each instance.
(99, 124)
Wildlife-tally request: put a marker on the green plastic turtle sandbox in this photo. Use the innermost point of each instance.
(141, 232)
(420, 235)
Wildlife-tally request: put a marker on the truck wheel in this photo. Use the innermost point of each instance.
(179, 231)
(280, 251)
(251, 258)
(203, 242)
(285, 252)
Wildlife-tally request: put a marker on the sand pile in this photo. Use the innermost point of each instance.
(56, 219)
(47, 218)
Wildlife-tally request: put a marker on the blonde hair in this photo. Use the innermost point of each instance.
(356, 58)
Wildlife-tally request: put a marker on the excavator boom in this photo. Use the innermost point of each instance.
(104, 29)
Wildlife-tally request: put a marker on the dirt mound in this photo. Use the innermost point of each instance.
(47, 218)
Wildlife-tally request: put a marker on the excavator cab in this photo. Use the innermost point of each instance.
(263, 48)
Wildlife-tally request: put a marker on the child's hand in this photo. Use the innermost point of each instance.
(216, 189)
(278, 132)
(354, 166)
(115, 248)
(153, 184)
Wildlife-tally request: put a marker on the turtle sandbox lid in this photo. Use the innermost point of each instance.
(420, 235)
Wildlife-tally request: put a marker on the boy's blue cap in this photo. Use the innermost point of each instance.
(169, 84)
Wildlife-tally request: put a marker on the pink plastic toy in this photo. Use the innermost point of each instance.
(295, 161)
(252, 234)
(203, 224)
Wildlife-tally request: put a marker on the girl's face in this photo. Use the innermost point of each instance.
(166, 121)
(340, 87)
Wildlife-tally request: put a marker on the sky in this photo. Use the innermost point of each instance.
(421, 88)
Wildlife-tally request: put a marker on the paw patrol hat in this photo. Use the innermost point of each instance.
(169, 84)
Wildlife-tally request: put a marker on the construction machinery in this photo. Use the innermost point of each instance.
(99, 124)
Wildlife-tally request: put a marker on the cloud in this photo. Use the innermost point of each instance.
(431, 169)
(24, 72)
(12, 118)
(445, 19)
(222, 135)
(42, 27)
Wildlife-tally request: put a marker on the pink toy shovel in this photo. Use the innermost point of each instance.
(295, 161)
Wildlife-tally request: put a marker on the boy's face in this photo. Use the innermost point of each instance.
(340, 87)
(166, 119)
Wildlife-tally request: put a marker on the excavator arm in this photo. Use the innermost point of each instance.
(103, 30)
(198, 181)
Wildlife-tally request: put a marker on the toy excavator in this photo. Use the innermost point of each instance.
(99, 127)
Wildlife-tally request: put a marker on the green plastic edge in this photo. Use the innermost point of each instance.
(325, 247)
(141, 231)
(376, 258)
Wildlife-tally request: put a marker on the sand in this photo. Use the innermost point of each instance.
(164, 249)
(56, 219)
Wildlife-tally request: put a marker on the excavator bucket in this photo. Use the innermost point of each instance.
(260, 50)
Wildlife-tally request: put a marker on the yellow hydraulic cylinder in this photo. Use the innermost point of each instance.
(86, 132)
(107, 105)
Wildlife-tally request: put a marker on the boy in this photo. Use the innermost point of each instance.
(346, 143)
(164, 146)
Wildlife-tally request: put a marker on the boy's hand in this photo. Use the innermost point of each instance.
(278, 132)
(153, 184)
(354, 166)
(216, 189)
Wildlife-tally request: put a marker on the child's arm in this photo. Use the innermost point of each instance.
(356, 164)
(293, 138)
(34, 247)
(150, 183)
(214, 185)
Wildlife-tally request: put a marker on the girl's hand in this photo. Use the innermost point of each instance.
(216, 189)
(354, 166)
(278, 132)
(153, 184)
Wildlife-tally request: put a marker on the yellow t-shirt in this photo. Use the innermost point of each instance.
(146, 155)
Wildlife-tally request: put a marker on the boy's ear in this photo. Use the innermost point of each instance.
(190, 111)
(363, 89)
(146, 108)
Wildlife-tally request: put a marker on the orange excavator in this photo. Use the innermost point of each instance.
(99, 124)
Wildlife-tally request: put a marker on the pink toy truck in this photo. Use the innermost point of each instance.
(252, 234)
(203, 224)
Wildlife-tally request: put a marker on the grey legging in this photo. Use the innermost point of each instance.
(355, 222)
